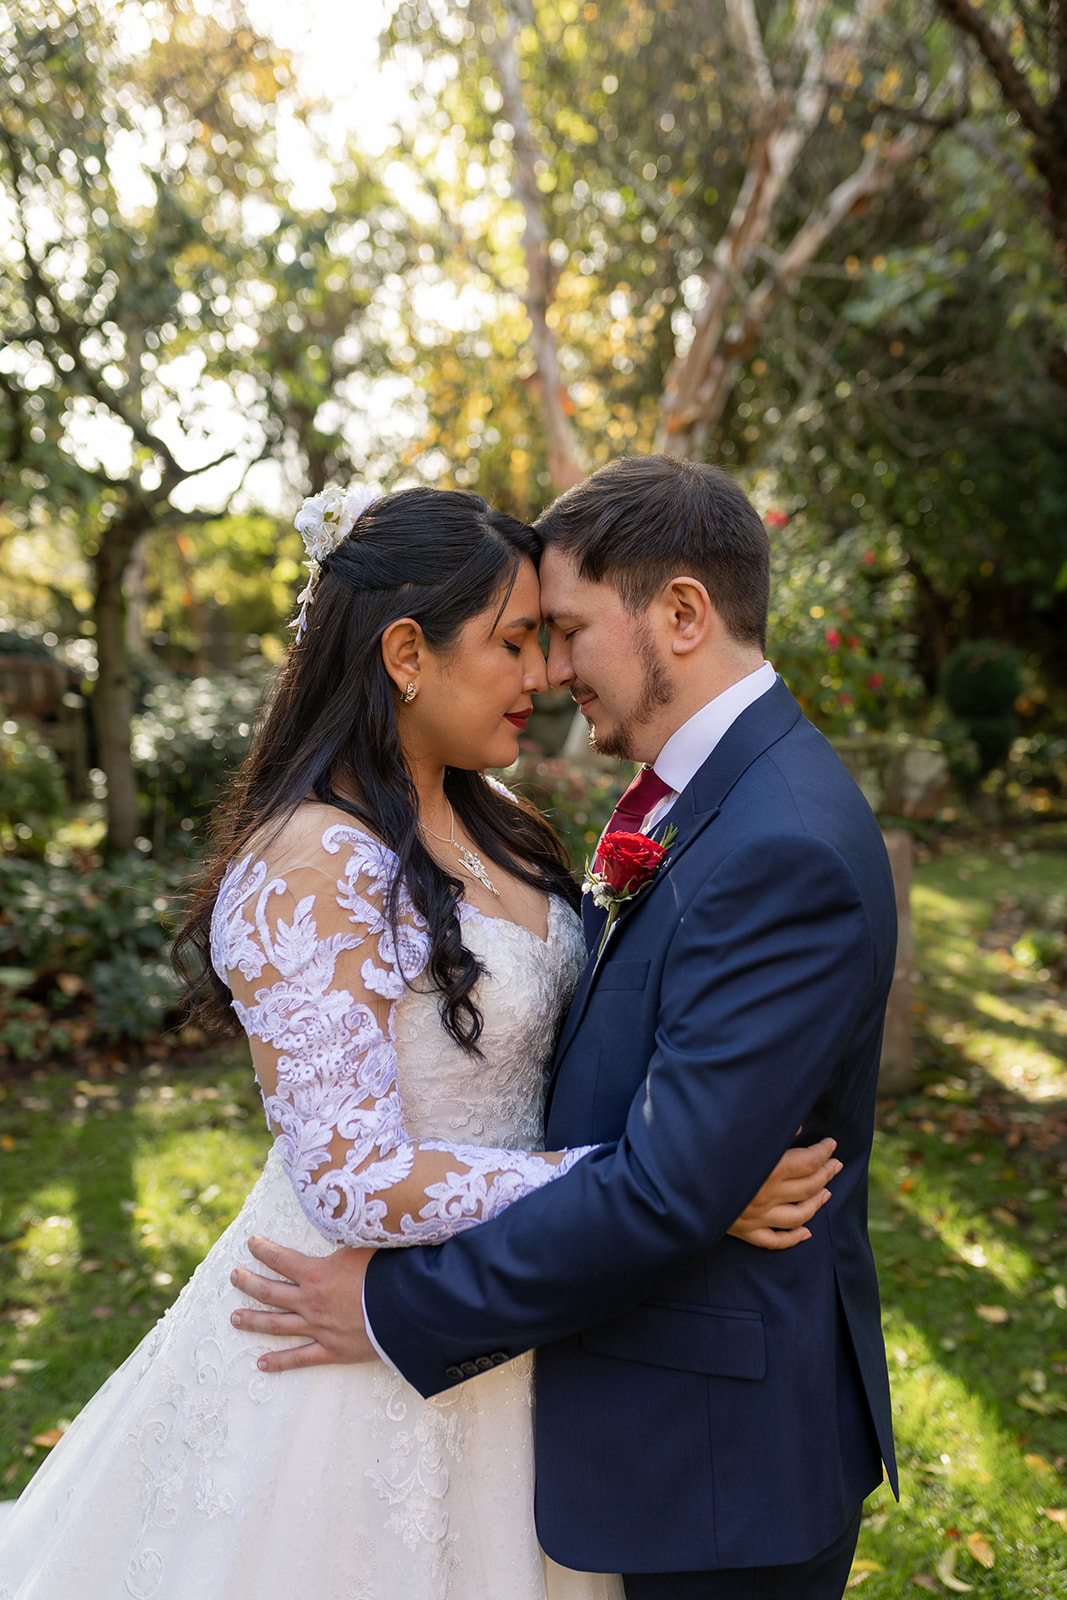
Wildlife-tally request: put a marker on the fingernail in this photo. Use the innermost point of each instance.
(233, 1277)
(839, 1166)
(235, 1318)
(261, 1364)
(805, 1233)
(825, 1196)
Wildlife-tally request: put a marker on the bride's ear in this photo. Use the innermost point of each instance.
(404, 652)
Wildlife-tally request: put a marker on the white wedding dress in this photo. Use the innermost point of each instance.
(191, 1475)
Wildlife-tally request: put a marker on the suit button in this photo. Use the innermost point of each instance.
(453, 1372)
(484, 1363)
(468, 1368)
(498, 1358)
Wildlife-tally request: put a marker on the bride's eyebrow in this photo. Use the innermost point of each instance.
(525, 623)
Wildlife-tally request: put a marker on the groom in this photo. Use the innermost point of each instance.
(710, 1416)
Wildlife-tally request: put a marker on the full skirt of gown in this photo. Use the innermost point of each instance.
(191, 1475)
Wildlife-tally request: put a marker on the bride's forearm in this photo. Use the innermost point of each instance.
(420, 1193)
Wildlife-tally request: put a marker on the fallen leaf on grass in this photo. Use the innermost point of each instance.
(862, 1565)
(101, 1313)
(923, 1580)
(1037, 1463)
(855, 1579)
(8, 1142)
(981, 1549)
(50, 1437)
(946, 1571)
(24, 1364)
(1055, 1514)
(994, 1314)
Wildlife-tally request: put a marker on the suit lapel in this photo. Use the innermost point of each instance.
(761, 725)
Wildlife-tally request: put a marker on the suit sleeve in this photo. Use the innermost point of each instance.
(767, 972)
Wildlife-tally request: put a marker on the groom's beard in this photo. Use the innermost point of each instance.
(656, 691)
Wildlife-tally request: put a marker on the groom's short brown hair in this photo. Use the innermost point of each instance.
(642, 520)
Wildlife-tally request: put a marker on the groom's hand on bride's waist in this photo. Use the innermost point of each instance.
(319, 1299)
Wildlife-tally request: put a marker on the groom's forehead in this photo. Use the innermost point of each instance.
(563, 589)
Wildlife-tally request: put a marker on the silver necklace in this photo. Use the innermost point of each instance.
(469, 858)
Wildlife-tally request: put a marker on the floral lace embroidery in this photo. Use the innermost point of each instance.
(317, 977)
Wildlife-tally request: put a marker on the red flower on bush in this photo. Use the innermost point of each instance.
(833, 638)
(776, 519)
(875, 681)
(852, 642)
(868, 558)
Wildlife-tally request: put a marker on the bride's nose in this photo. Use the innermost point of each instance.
(535, 678)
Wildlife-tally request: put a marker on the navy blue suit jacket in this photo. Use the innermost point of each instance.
(700, 1403)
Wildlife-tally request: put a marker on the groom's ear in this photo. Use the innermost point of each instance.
(403, 651)
(689, 614)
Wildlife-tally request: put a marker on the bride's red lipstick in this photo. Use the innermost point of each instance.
(518, 719)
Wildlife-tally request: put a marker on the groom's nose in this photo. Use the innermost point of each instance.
(560, 669)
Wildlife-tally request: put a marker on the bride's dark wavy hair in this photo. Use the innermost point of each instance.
(440, 557)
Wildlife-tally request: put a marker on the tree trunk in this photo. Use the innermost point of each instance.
(564, 466)
(112, 703)
(896, 1074)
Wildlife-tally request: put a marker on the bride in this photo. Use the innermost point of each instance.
(397, 937)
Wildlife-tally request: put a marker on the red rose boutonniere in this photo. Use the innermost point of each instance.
(624, 864)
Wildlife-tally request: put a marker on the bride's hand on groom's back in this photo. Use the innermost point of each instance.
(775, 1217)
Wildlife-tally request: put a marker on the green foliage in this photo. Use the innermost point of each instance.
(838, 626)
(188, 740)
(981, 679)
(84, 954)
(33, 793)
(575, 798)
(980, 682)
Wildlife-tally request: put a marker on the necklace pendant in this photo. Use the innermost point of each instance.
(473, 864)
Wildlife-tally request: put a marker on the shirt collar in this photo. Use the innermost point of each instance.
(689, 746)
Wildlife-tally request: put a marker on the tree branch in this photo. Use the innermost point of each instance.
(1013, 85)
(742, 14)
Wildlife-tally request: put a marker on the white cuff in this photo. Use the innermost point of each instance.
(370, 1331)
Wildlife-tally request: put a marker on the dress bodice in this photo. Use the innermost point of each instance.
(525, 989)
(390, 1131)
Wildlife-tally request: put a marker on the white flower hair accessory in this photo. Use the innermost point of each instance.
(323, 521)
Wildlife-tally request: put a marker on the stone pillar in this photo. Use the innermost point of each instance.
(897, 1073)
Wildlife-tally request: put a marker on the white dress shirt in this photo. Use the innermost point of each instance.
(689, 746)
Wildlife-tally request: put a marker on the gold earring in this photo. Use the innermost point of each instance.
(409, 693)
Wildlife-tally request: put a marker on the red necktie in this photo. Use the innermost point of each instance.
(646, 791)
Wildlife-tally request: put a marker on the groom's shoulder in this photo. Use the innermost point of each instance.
(800, 784)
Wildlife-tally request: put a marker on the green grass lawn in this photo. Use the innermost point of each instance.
(111, 1189)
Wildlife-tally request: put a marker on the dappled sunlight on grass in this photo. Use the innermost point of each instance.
(135, 1179)
(964, 1474)
(995, 1015)
(968, 1203)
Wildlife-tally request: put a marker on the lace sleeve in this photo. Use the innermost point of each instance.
(316, 974)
